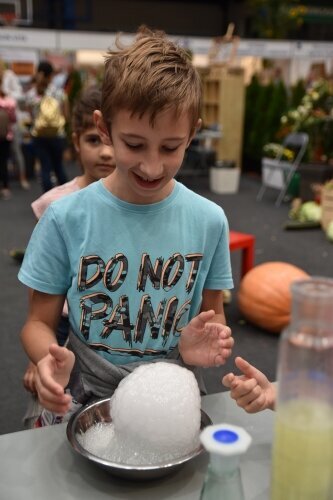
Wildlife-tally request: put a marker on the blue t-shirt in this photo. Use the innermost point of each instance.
(133, 274)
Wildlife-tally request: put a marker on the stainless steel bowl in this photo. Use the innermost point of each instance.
(100, 412)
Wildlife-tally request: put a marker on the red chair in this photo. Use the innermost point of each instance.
(245, 242)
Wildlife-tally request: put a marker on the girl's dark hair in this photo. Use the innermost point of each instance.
(46, 68)
(82, 116)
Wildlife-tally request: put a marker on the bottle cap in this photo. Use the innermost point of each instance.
(225, 439)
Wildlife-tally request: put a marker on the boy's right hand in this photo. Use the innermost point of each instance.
(252, 390)
(52, 376)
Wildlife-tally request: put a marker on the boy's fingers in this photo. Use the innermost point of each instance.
(248, 370)
(55, 407)
(48, 397)
(245, 388)
(203, 317)
(255, 405)
(227, 343)
(247, 398)
(59, 353)
(228, 379)
(45, 380)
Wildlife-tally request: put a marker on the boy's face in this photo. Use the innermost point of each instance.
(147, 157)
(96, 158)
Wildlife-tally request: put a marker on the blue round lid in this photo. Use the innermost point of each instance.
(225, 436)
(225, 439)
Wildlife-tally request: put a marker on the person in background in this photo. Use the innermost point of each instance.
(251, 390)
(11, 87)
(48, 106)
(142, 260)
(96, 161)
(7, 119)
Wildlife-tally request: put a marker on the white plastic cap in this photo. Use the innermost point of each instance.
(225, 439)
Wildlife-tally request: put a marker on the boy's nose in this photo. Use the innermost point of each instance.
(152, 166)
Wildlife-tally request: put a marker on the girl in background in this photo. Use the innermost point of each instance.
(96, 161)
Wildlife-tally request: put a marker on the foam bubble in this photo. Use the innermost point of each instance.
(156, 409)
(155, 415)
(97, 439)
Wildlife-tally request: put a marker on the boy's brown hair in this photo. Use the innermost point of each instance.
(150, 75)
(82, 116)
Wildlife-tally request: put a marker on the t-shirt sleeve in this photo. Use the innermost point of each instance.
(219, 276)
(39, 206)
(46, 263)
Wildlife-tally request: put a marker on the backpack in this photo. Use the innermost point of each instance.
(49, 121)
(4, 124)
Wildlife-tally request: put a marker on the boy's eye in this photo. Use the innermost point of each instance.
(133, 146)
(169, 149)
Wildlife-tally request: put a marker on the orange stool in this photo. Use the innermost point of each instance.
(246, 243)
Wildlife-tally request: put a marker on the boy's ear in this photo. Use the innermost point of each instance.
(75, 141)
(194, 131)
(102, 128)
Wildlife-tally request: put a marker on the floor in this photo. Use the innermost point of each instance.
(307, 249)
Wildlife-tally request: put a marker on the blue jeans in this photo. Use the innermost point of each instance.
(49, 151)
(4, 155)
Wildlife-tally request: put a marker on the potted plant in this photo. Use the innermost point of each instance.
(274, 152)
(224, 177)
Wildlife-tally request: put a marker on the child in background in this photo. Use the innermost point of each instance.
(252, 390)
(96, 161)
(142, 260)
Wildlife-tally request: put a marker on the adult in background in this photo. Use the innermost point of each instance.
(7, 119)
(11, 87)
(48, 107)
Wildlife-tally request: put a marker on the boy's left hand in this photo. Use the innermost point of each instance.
(205, 344)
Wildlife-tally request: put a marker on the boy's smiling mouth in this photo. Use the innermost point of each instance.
(145, 182)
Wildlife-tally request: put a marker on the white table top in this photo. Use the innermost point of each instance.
(40, 464)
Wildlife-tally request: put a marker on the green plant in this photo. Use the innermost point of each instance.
(264, 104)
(329, 231)
(275, 150)
(314, 115)
(297, 93)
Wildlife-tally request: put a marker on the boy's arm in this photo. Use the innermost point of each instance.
(38, 332)
(213, 299)
(54, 363)
(206, 340)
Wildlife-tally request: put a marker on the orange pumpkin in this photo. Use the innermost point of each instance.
(264, 296)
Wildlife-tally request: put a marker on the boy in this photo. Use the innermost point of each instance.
(142, 259)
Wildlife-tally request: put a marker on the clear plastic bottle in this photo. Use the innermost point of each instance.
(225, 443)
(302, 466)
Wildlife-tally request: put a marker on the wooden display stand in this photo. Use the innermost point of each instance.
(223, 105)
(327, 207)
